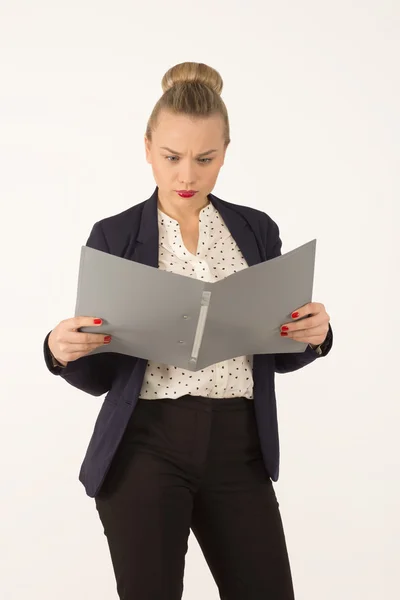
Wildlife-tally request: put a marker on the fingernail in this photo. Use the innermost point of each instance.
(97, 321)
(283, 333)
(295, 315)
(107, 339)
(284, 328)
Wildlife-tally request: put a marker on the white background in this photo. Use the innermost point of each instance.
(312, 90)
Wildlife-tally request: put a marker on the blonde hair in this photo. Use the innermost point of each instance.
(192, 89)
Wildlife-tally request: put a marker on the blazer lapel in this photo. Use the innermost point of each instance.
(146, 247)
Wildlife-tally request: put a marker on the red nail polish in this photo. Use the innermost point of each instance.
(107, 339)
(284, 328)
(295, 315)
(97, 321)
(283, 333)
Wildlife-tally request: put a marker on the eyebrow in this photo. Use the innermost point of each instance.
(179, 154)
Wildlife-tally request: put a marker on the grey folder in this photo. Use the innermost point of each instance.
(189, 323)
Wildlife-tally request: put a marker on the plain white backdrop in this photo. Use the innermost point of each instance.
(313, 94)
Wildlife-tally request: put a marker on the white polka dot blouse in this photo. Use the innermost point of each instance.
(217, 257)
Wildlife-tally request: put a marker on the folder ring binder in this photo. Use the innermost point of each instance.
(204, 306)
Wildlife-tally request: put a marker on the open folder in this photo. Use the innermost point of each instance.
(188, 323)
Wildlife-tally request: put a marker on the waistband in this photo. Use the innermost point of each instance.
(201, 402)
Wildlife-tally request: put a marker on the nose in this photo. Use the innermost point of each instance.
(187, 174)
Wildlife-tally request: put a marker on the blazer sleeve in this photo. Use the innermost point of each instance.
(94, 373)
(291, 361)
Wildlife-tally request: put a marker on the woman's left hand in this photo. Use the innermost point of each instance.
(310, 324)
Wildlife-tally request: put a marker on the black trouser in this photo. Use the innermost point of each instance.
(196, 463)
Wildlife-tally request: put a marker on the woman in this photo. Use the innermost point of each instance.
(174, 450)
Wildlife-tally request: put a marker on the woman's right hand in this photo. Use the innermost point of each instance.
(67, 344)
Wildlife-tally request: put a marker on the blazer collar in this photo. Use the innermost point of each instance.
(146, 247)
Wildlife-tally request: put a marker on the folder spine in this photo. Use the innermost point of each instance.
(204, 306)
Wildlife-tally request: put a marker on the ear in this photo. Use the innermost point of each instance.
(147, 146)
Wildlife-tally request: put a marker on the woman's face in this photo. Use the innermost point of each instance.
(180, 155)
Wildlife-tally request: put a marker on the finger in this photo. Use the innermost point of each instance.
(70, 352)
(76, 323)
(311, 308)
(308, 333)
(80, 337)
(78, 349)
(306, 323)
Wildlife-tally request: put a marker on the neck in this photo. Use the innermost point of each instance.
(181, 208)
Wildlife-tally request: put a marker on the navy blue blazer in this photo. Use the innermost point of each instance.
(133, 234)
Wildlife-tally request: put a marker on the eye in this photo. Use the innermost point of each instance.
(203, 161)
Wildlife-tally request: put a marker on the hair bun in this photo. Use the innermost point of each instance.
(191, 72)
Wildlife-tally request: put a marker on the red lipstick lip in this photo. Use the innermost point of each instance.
(186, 193)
